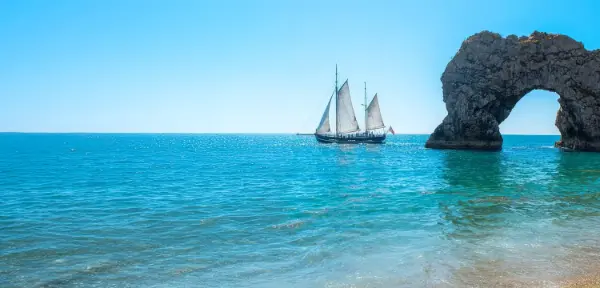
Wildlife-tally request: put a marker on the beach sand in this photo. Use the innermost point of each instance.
(584, 281)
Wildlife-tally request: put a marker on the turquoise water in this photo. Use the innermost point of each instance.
(102, 210)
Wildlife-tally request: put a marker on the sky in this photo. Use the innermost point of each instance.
(252, 66)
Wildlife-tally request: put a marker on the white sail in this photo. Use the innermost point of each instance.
(345, 118)
(374, 119)
(324, 124)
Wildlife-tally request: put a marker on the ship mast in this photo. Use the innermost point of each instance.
(336, 100)
(366, 107)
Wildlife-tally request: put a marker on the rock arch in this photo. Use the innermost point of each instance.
(489, 74)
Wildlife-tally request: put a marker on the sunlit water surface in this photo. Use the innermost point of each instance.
(102, 210)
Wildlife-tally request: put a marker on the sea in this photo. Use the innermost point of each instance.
(253, 210)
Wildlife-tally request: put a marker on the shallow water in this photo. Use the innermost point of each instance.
(106, 210)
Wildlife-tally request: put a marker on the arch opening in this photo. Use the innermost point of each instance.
(490, 74)
(533, 114)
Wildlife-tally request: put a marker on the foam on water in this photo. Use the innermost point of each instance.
(108, 210)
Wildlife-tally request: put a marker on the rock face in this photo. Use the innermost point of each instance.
(489, 74)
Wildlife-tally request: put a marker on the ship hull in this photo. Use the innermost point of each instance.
(351, 139)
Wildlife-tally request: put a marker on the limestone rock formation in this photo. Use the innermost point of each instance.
(489, 74)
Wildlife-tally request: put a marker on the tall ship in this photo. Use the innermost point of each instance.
(347, 129)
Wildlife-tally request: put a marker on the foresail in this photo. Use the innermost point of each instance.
(324, 124)
(345, 117)
(374, 119)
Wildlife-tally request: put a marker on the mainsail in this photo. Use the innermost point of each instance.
(374, 119)
(345, 118)
(324, 124)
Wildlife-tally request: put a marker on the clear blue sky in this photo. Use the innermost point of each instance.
(251, 66)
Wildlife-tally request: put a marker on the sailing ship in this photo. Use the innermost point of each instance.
(346, 126)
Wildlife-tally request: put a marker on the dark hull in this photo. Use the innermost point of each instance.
(354, 139)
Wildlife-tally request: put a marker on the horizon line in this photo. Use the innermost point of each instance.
(250, 133)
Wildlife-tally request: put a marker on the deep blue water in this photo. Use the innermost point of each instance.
(118, 210)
